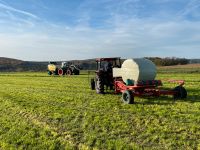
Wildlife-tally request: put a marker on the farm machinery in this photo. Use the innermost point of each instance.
(104, 73)
(65, 69)
(135, 77)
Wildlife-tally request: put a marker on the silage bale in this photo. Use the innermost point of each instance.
(139, 69)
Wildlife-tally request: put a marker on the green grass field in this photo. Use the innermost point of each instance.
(44, 112)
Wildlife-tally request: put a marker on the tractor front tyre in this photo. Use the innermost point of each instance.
(180, 92)
(99, 85)
(127, 97)
(92, 84)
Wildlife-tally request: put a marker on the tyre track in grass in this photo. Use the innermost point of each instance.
(58, 133)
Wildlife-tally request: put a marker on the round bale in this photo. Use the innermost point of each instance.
(139, 69)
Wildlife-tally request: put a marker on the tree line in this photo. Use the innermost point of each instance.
(169, 61)
(7, 64)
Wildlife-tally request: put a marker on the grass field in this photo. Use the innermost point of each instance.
(42, 112)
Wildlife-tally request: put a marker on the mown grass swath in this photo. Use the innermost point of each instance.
(38, 111)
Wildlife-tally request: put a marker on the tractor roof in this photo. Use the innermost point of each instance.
(107, 59)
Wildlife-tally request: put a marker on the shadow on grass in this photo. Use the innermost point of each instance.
(193, 96)
(144, 100)
(155, 101)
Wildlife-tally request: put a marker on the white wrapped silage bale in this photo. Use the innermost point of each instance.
(139, 69)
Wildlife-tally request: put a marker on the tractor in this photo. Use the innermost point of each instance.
(104, 74)
(65, 69)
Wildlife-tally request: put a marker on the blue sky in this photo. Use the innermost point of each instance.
(44, 30)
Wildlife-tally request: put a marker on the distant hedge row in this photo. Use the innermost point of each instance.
(169, 61)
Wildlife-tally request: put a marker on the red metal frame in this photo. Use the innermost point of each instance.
(146, 89)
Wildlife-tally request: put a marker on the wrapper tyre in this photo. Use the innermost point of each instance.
(180, 92)
(127, 97)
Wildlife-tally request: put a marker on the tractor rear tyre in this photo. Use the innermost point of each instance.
(92, 84)
(181, 92)
(99, 85)
(127, 97)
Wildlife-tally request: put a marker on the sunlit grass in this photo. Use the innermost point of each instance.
(45, 112)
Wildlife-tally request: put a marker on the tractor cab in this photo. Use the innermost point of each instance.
(65, 64)
(104, 73)
(107, 63)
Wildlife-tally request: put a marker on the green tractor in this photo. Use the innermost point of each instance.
(65, 69)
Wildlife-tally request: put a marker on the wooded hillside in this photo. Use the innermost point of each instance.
(13, 65)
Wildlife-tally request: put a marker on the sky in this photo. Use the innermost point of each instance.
(55, 30)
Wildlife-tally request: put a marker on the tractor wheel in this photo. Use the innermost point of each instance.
(92, 84)
(99, 85)
(127, 97)
(69, 72)
(60, 72)
(181, 92)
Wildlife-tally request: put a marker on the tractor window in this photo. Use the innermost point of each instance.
(103, 64)
(117, 63)
(108, 63)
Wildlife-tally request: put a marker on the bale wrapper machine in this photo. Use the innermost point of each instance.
(136, 77)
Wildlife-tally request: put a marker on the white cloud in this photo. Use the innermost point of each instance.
(134, 38)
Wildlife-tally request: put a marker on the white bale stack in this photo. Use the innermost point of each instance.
(139, 69)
